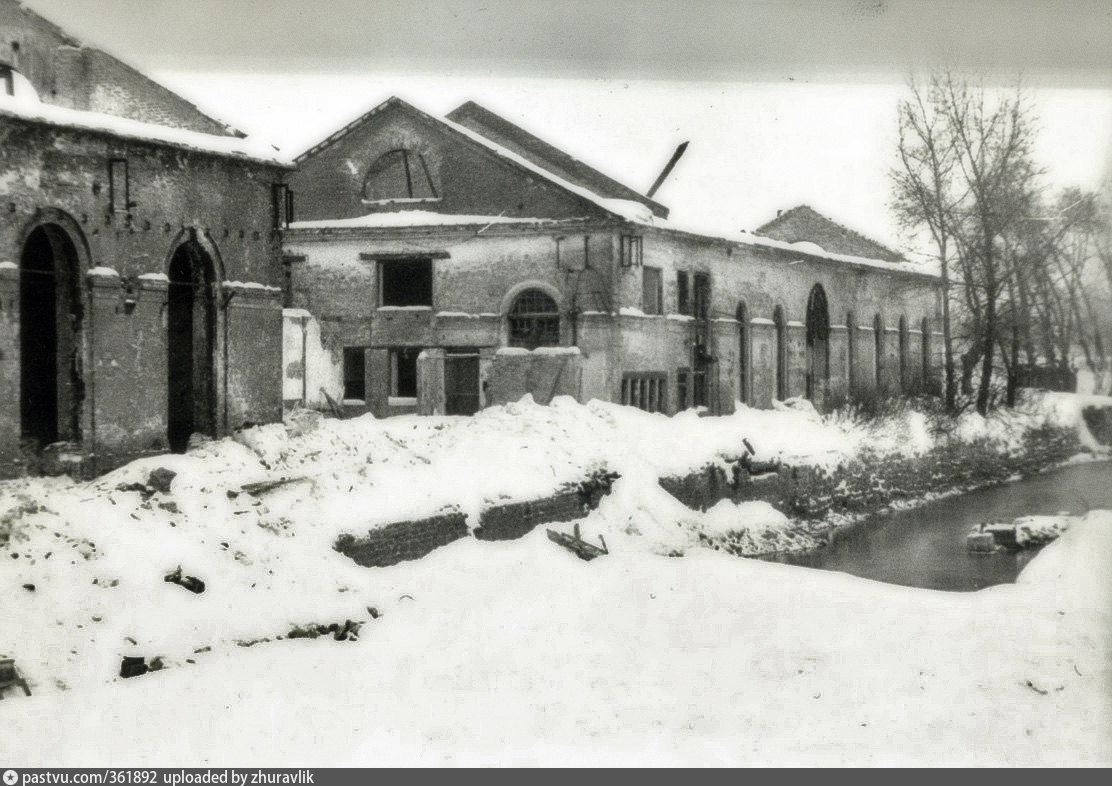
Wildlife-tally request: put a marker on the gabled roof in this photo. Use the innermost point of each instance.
(623, 209)
(496, 128)
(104, 62)
(805, 224)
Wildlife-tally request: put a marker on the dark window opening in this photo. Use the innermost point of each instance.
(925, 328)
(119, 186)
(652, 291)
(743, 353)
(851, 351)
(534, 320)
(878, 350)
(355, 378)
(683, 299)
(818, 344)
(281, 205)
(682, 388)
(701, 360)
(399, 174)
(403, 372)
(702, 296)
(905, 380)
(632, 251)
(7, 80)
(781, 353)
(405, 282)
(645, 391)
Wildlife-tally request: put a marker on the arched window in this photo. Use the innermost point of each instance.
(534, 320)
(878, 351)
(818, 343)
(399, 174)
(742, 353)
(781, 353)
(905, 381)
(851, 352)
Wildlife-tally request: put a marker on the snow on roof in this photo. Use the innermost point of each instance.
(416, 218)
(624, 209)
(227, 146)
(746, 238)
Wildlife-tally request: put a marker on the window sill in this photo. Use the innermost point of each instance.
(401, 201)
(401, 401)
(417, 309)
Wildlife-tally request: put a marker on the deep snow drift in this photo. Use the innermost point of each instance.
(518, 652)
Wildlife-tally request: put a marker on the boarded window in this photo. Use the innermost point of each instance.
(534, 320)
(355, 374)
(632, 250)
(683, 300)
(398, 174)
(403, 372)
(645, 391)
(119, 186)
(405, 282)
(652, 290)
(281, 205)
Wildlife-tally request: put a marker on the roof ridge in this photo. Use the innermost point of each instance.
(780, 217)
(562, 158)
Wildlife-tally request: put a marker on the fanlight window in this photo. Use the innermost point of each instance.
(399, 174)
(534, 320)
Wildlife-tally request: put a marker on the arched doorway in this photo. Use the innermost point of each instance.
(818, 345)
(191, 332)
(51, 313)
(781, 353)
(742, 353)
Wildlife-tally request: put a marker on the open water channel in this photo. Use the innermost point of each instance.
(925, 546)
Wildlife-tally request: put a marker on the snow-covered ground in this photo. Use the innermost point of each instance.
(518, 652)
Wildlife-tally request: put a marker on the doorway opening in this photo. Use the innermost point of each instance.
(51, 385)
(190, 362)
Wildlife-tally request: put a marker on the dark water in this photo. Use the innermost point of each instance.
(925, 547)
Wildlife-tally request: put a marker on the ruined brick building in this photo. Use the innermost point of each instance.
(139, 260)
(440, 265)
(445, 264)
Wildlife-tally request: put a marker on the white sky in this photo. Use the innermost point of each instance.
(783, 101)
(755, 147)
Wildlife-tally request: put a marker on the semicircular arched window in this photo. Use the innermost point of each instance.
(534, 320)
(399, 174)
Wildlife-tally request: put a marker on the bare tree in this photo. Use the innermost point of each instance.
(967, 177)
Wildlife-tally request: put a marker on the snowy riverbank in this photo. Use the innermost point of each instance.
(687, 658)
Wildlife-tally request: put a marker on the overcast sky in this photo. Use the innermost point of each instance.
(784, 101)
(684, 39)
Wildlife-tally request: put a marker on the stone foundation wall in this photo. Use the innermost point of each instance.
(405, 540)
(872, 481)
(866, 483)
